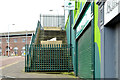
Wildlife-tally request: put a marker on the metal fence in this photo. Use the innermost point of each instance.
(48, 58)
(52, 21)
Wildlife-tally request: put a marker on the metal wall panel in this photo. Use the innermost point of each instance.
(118, 50)
(85, 55)
(110, 53)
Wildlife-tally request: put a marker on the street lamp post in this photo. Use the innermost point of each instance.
(64, 14)
(8, 38)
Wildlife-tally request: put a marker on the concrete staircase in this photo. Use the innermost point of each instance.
(44, 35)
(50, 56)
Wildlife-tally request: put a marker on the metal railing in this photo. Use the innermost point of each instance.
(52, 20)
(28, 49)
(48, 58)
(35, 35)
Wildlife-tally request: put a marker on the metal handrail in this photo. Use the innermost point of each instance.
(34, 35)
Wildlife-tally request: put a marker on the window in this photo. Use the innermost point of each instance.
(15, 40)
(23, 40)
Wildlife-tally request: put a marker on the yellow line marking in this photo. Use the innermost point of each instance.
(8, 65)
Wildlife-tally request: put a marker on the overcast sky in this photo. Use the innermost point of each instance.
(25, 13)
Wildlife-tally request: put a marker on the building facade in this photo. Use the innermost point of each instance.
(93, 30)
(17, 41)
(109, 25)
(79, 28)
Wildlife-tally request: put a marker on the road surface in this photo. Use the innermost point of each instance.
(13, 67)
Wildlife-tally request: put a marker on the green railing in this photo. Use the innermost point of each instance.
(28, 48)
(48, 58)
(34, 35)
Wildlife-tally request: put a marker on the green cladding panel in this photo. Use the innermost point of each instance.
(73, 47)
(68, 32)
(85, 55)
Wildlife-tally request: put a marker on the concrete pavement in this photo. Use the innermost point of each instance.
(5, 60)
(16, 70)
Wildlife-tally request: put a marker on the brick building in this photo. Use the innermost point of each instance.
(17, 41)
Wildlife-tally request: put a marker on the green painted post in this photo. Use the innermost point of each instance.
(43, 56)
(63, 55)
(54, 55)
(35, 58)
(69, 55)
(32, 55)
(59, 56)
(46, 53)
(76, 56)
(66, 57)
(50, 57)
(39, 57)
